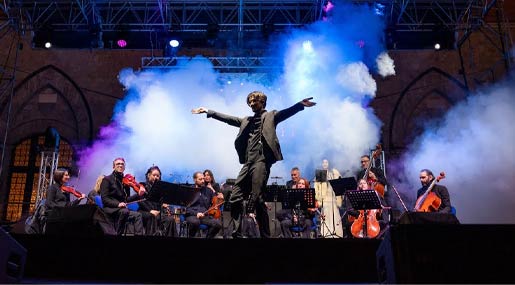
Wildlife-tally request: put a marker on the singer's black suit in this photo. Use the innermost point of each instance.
(258, 148)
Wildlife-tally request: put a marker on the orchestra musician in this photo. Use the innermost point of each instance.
(426, 178)
(379, 176)
(295, 176)
(56, 197)
(294, 217)
(96, 189)
(258, 148)
(115, 196)
(209, 180)
(352, 214)
(154, 221)
(197, 212)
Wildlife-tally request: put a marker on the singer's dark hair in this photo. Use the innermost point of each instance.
(151, 169)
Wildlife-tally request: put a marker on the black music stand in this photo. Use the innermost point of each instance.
(274, 193)
(364, 200)
(321, 175)
(341, 185)
(293, 198)
(171, 193)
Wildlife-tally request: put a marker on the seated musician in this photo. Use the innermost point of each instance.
(197, 212)
(96, 190)
(209, 180)
(379, 177)
(115, 196)
(426, 178)
(352, 214)
(155, 220)
(294, 217)
(56, 196)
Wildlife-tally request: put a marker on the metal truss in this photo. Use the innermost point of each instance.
(48, 164)
(196, 15)
(186, 15)
(222, 64)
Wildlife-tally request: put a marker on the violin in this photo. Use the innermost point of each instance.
(429, 201)
(130, 180)
(214, 210)
(71, 190)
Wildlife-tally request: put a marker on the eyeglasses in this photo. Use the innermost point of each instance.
(119, 163)
(363, 161)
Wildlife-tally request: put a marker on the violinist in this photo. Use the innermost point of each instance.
(426, 178)
(197, 212)
(155, 223)
(115, 196)
(209, 180)
(56, 196)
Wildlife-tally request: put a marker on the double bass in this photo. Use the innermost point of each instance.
(374, 184)
(429, 201)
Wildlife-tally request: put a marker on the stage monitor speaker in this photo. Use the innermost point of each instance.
(12, 259)
(446, 253)
(83, 220)
(408, 218)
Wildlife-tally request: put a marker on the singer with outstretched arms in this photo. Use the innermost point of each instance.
(258, 148)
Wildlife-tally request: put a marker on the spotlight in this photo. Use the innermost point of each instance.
(121, 43)
(307, 46)
(437, 46)
(48, 45)
(174, 43)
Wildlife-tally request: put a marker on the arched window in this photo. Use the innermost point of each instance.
(24, 175)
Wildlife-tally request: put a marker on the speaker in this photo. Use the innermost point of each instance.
(12, 259)
(408, 218)
(446, 253)
(83, 220)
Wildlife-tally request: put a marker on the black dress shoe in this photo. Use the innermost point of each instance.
(237, 235)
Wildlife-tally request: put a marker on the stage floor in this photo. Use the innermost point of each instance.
(407, 254)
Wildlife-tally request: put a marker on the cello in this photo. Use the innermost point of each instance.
(429, 201)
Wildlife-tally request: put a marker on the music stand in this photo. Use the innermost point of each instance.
(171, 193)
(274, 193)
(304, 196)
(364, 200)
(341, 185)
(321, 175)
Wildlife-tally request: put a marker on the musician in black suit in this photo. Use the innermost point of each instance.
(115, 197)
(426, 178)
(258, 148)
(156, 219)
(55, 197)
(197, 212)
(295, 176)
(379, 174)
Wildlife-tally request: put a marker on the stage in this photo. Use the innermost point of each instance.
(407, 254)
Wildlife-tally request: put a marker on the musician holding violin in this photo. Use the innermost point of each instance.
(115, 192)
(205, 208)
(432, 197)
(58, 194)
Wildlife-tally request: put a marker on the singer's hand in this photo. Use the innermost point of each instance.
(308, 103)
(199, 110)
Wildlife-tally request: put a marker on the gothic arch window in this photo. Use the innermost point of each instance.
(24, 175)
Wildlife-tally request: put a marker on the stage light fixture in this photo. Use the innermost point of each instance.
(174, 43)
(437, 46)
(307, 46)
(121, 43)
(48, 45)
